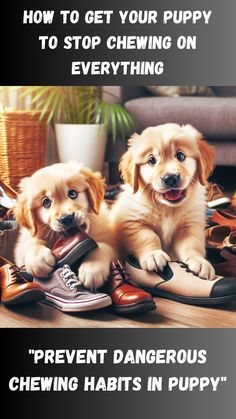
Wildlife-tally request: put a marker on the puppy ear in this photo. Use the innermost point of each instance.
(96, 188)
(129, 170)
(206, 160)
(128, 167)
(25, 215)
(23, 212)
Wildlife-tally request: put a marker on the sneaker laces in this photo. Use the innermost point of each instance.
(16, 275)
(70, 278)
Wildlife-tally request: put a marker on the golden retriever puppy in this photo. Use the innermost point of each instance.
(160, 215)
(53, 199)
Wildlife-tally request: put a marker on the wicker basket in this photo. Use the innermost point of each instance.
(22, 144)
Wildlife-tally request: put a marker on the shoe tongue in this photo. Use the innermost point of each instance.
(173, 194)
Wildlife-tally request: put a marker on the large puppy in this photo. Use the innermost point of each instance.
(161, 212)
(57, 197)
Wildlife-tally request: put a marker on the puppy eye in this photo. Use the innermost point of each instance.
(180, 156)
(72, 194)
(47, 202)
(152, 160)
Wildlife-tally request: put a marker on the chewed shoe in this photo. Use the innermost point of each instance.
(178, 283)
(64, 291)
(71, 247)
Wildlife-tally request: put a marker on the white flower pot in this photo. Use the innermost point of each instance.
(82, 143)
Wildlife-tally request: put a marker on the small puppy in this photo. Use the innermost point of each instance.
(160, 215)
(52, 200)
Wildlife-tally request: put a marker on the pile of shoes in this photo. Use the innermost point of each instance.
(8, 227)
(121, 293)
(221, 232)
(63, 289)
(7, 200)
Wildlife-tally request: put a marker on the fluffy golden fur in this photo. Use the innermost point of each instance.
(146, 222)
(40, 225)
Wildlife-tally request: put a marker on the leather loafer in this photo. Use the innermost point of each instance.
(14, 288)
(177, 282)
(71, 247)
(126, 298)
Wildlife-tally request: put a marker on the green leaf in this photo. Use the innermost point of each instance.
(119, 119)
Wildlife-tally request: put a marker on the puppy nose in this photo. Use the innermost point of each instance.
(171, 180)
(67, 219)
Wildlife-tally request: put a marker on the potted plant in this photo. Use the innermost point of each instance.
(81, 118)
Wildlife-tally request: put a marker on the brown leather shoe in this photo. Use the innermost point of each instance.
(126, 298)
(71, 247)
(224, 218)
(233, 202)
(218, 236)
(14, 288)
(224, 261)
(216, 197)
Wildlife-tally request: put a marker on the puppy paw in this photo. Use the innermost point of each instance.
(155, 260)
(92, 275)
(39, 261)
(202, 267)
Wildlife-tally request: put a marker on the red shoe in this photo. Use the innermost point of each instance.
(126, 298)
(71, 247)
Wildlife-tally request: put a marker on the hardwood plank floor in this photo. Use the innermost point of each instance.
(168, 314)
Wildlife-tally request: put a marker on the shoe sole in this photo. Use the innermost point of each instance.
(77, 252)
(25, 297)
(218, 202)
(82, 307)
(134, 308)
(198, 301)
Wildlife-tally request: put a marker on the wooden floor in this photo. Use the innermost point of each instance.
(167, 314)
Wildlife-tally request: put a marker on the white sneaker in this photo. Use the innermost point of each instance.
(64, 291)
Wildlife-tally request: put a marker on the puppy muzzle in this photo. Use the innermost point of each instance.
(67, 220)
(170, 180)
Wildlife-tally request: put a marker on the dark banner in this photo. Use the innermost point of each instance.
(110, 42)
(118, 373)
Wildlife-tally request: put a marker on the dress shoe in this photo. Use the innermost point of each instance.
(233, 202)
(224, 218)
(217, 236)
(64, 291)
(223, 261)
(216, 197)
(71, 247)
(177, 282)
(126, 298)
(14, 288)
